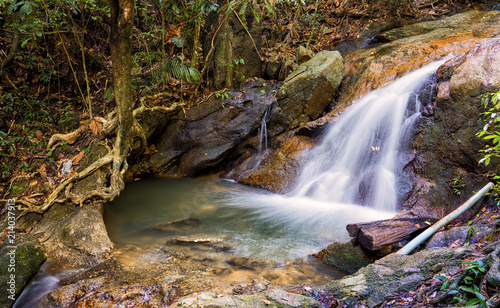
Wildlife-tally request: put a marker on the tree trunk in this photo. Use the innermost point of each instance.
(122, 21)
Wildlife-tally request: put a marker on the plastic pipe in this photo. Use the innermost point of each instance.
(444, 221)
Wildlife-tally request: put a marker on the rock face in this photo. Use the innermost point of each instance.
(18, 265)
(223, 130)
(447, 151)
(77, 237)
(208, 134)
(231, 44)
(412, 47)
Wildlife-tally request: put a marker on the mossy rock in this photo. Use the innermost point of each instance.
(21, 260)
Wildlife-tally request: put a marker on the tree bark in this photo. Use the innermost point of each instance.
(122, 21)
(376, 235)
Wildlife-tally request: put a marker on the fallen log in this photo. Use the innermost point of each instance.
(378, 234)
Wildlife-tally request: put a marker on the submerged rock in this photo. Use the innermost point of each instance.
(172, 226)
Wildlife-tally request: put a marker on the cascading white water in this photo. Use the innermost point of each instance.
(357, 160)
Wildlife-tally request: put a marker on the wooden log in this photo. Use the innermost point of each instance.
(378, 234)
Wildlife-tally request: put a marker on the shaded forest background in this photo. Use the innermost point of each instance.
(55, 68)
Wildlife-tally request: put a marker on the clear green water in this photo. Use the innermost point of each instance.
(251, 222)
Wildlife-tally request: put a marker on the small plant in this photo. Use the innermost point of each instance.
(457, 185)
(239, 61)
(469, 293)
(490, 129)
(223, 95)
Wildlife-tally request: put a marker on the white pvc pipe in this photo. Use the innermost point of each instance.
(444, 221)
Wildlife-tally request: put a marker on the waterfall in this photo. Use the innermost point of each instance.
(263, 132)
(358, 160)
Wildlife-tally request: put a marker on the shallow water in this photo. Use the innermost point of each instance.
(249, 222)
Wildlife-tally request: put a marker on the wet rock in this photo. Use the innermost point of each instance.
(21, 260)
(393, 274)
(447, 150)
(273, 297)
(76, 236)
(232, 44)
(346, 257)
(278, 171)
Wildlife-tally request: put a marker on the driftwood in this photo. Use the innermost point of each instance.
(376, 235)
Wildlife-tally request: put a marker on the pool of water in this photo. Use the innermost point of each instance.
(243, 220)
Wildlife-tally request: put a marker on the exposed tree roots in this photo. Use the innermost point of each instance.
(118, 162)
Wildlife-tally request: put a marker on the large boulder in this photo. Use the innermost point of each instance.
(307, 91)
(232, 49)
(74, 236)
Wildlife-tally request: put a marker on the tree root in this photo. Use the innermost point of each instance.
(118, 161)
(70, 138)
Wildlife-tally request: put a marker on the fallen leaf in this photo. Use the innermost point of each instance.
(76, 159)
(173, 30)
(95, 126)
(43, 171)
(33, 183)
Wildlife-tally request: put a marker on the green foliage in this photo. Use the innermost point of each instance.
(24, 7)
(178, 69)
(457, 185)
(469, 292)
(491, 129)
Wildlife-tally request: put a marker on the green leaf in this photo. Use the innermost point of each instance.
(473, 302)
(468, 289)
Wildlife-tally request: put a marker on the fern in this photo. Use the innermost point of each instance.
(178, 69)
